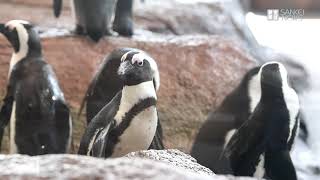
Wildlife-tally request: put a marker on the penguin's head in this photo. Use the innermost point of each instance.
(273, 77)
(137, 67)
(21, 36)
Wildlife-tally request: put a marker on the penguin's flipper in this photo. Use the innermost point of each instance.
(279, 165)
(57, 6)
(157, 139)
(248, 136)
(103, 119)
(5, 114)
(100, 142)
(63, 124)
(6, 109)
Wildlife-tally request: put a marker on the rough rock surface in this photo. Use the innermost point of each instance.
(173, 157)
(18, 167)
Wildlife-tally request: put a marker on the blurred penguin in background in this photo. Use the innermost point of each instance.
(94, 17)
(34, 106)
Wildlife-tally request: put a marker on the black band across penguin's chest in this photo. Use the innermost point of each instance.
(119, 129)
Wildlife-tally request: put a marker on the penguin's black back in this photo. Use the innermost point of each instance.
(265, 133)
(233, 111)
(42, 116)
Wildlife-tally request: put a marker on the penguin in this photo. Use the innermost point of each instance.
(261, 145)
(129, 121)
(94, 17)
(233, 111)
(221, 123)
(106, 83)
(34, 106)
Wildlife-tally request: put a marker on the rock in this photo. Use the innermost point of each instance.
(223, 18)
(19, 167)
(173, 157)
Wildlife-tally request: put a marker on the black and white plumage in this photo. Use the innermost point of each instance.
(261, 146)
(94, 17)
(34, 105)
(129, 121)
(221, 123)
(106, 83)
(233, 111)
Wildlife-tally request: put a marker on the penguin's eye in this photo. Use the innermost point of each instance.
(140, 63)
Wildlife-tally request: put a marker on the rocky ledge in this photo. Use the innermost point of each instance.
(170, 165)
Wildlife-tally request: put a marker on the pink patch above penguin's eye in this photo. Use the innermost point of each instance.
(137, 58)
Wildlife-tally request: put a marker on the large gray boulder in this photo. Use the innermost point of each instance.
(49, 167)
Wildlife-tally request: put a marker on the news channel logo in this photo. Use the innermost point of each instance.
(285, 14)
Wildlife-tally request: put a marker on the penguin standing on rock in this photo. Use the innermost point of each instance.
(34, 105)
(107, 83)
(261, 146)
(220, 125)
(93, 17)
(129, 121)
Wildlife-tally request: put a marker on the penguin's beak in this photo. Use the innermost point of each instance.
(125, 67)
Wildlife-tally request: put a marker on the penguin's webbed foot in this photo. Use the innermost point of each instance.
(110, 32)
(124, 26)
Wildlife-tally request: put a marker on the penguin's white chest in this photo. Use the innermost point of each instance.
(139, 134)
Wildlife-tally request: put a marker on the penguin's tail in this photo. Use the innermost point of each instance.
(57, 6)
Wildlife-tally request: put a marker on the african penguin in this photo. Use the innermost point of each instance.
(94, 17)
(106, 83)
(221, 123)
(233, 111)
(34, 105)
(129, 121)
(261, 146)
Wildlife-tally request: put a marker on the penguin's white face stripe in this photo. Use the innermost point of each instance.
(139, 57)
(131, 95)
(124, 67)
(254, 92)
(23, 41)
(124, 57)
(292, 102)
(13, 23)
